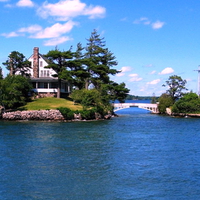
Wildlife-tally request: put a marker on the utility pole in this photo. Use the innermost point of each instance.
(198, 70)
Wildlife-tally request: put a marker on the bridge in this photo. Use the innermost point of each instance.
(147, 106)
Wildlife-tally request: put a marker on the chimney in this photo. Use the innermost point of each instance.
(36, 62)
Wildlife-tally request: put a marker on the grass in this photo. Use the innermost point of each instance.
(50, 103)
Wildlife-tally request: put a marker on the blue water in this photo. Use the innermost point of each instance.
(138, 155)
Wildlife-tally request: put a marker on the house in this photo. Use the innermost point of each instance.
(44, 84)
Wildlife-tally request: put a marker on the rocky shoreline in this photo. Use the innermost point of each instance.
(43, 115)
(53, 115)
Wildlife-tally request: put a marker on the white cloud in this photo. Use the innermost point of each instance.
(120, 74)
(135, 78)
(25, 3)
(145, 21)
(149, 65)
(31, 29)
(154, 82)
(157, 25)
(56, 41)
(167, 70)
(125, 69)
(67, 9)
(11, 34)
(55, 31)
(153, 72)
(142, 20)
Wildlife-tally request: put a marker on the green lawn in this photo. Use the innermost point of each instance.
(50, 103)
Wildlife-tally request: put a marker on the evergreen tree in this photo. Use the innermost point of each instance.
(99, 61)
(58, 61)
(78, 72)
(18, 64)
(1, 74)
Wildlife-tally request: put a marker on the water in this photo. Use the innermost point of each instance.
(139, 156)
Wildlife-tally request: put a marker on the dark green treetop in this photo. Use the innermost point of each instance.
(176, 86)
(17, 63)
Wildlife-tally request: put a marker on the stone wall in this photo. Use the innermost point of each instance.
(53, 115)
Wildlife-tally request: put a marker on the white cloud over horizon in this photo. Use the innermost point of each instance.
(123, 70)
(157, 25)
(152, 72)
(63, 10)
(145, 21)
(56, 41)
(55, 30)
(68, 9)
(154, 82)
(167, 70)
(135, 78)
(25, 3)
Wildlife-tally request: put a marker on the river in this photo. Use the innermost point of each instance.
(136, 156)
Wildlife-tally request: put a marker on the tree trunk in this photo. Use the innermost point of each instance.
(86, 84)
(58, 89)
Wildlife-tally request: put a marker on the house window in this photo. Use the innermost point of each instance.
(41, 64)
(40, 85)
(34, 85)
(45, 85)
(44, 73)
(54, 85)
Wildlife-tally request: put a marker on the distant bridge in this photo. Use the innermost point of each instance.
(147, 106)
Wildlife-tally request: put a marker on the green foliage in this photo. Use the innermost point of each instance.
(176, 86)
(67, 113)
(98, 61)
(165, 101)
(87, 114)
(87, 98)
(17, 63)
(15, 91)
(118, 91)
(58, 61)
(189, 103)
(1, 74)
(92, 99)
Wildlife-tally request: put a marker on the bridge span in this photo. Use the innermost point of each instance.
(147, 106)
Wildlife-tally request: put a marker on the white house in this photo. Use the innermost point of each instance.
(41, 77)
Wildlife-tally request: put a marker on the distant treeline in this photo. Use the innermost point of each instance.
(133, 97)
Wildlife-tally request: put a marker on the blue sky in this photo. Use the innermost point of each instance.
(151, 39)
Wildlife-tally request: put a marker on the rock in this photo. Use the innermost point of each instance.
(53, 115)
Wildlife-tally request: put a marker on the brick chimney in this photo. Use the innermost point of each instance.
(36, 62)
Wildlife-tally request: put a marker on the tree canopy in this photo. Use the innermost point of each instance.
(15, 91)
(189, 103)
(89, 69)
(176, 86)
(17, 63)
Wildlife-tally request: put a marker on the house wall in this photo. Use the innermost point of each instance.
(42, 79)
(38, 65)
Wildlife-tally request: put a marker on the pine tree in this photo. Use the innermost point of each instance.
(58, 61)
(17, 64)
(99, 61)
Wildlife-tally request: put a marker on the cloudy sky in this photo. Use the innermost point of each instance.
(151, 39)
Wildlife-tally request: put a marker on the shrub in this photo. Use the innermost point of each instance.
(67, 113)
(87, 114)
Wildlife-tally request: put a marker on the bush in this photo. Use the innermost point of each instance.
(87, 114)
(189, 103)
(67, 113)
